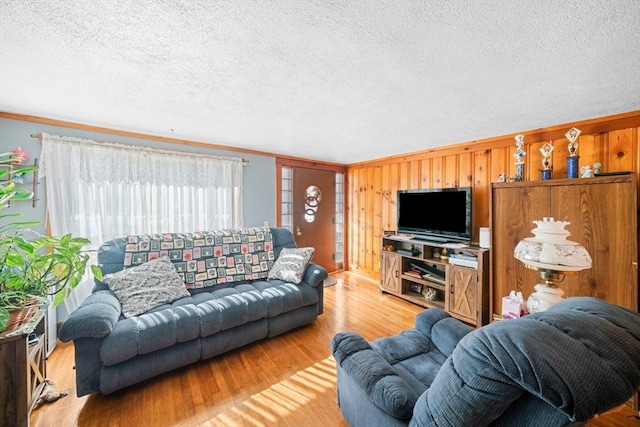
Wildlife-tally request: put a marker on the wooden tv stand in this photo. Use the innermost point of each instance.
(413, 266)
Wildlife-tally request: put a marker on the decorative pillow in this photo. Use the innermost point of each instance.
(141, 288)
(291, 264)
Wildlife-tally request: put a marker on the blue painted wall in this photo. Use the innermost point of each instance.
(259, 173)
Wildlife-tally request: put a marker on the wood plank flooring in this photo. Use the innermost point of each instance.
(283, 381)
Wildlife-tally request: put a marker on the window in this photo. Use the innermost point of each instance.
(102, 191)
(286, 183)
(339, 251)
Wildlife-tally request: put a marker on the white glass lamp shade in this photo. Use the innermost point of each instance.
(553, 257)
(550, 249)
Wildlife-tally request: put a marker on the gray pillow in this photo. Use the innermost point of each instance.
(141, 288)
(291, 264)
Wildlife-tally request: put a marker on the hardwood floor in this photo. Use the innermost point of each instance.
(283, 381)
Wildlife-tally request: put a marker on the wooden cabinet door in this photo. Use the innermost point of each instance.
(513, 211)
(603, 220)
(462, 285)
(390, 272)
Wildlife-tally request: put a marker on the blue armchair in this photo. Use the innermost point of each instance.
(553, 368)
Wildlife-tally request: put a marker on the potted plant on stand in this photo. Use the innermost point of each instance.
(34, 269)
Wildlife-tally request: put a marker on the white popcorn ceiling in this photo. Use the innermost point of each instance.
(340, 81)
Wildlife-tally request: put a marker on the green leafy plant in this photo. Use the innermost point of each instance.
(33, 267)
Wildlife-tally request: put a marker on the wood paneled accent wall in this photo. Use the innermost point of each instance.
(372, 186)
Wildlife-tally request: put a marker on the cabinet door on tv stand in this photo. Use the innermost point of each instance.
(390, 273)
(462, 301)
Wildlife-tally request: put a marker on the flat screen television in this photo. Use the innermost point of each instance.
(440, 215)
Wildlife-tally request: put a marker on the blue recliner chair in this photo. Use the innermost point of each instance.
(554, 368)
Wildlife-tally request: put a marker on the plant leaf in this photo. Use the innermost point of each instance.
(97, 272)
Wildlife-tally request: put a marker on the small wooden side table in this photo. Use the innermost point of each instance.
(22, 370)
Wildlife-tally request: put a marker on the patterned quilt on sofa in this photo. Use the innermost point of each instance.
(208, 258)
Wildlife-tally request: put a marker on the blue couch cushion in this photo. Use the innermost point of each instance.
(201, 315)
(150, 332)
(283, 297)
(442, 329)
(413, 356)
(375, 376)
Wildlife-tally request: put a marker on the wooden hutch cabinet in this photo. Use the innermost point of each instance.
(602, 212)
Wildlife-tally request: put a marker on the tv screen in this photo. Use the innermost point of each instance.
(441, 215)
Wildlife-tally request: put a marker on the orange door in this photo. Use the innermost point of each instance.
(313, 208)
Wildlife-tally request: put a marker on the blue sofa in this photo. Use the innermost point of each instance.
(113, 352)
(559, 367)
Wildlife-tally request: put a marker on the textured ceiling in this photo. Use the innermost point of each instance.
(335, 80)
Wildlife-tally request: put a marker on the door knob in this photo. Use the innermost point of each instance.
(298, 232)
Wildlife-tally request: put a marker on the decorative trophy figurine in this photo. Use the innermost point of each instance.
(586, 172)
(596, 168)
(572, 160)
(519, 156)
(546, 151)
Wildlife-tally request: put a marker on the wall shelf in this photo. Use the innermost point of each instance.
(31, 182)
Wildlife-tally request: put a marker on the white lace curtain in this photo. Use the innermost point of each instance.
(102, 191)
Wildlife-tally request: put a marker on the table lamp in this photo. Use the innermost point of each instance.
(553, 257)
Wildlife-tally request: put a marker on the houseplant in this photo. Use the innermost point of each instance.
(33, 268)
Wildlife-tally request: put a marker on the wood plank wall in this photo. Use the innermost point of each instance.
(372, 186)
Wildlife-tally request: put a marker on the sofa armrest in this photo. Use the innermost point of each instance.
(375, 376)
(427, 318)
(95, 318)
(443, 330)
(314, 274)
